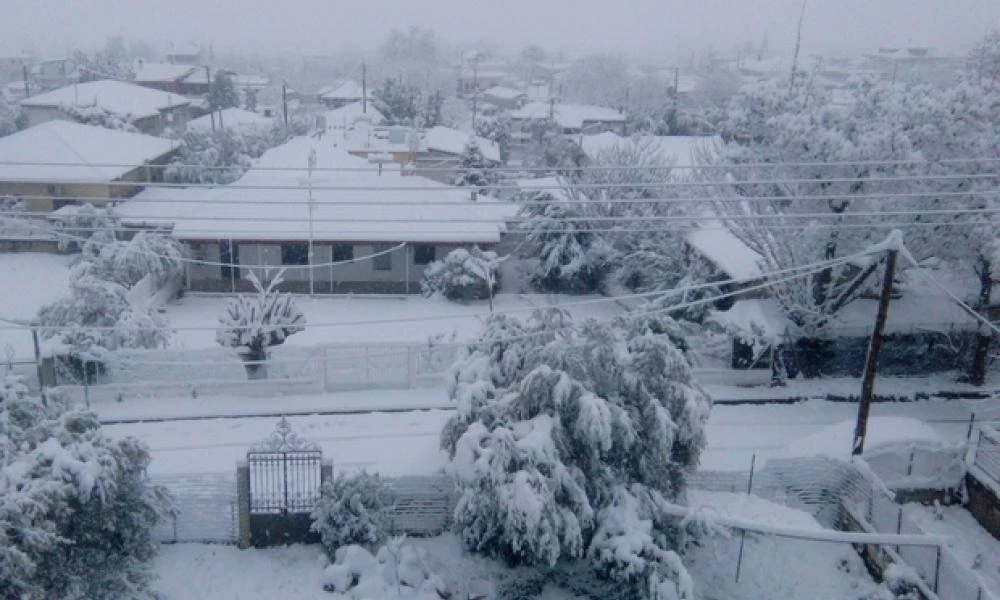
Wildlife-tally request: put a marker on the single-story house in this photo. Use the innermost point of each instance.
(168, 77)
(342, 93)
(61, 163)
(370, 232)
(476, 78)
(151, 111)
(431, 153)
(505, 97)
(571, 118)
(237, 119)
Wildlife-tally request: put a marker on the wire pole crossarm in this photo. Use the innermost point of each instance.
(874, 346)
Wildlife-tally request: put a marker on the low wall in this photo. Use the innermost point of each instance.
(984, 504)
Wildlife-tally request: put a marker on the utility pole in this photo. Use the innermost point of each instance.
(312, 165)
(475, 90)
(676, 100)
(211, 105)
(27, 88)
(364, 89)
(284, 101)
(868, 381)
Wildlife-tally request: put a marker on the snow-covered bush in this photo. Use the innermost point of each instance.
(224, 155)
(99, 116)
(155, 256)
(474, 170)
(85, 228)
(462, 275)
(398, 570)
(564, 253)
(76, 507)
(252, 324)
(574, 459)
(351, 510)
(96, 318)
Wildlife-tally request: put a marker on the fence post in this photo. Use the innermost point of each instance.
(411, 365)
(243, 504)
(937, 569)
(743, 532)
(899, 523)
(323, 357)
(325, 470)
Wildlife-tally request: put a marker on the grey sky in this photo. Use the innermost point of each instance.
(658, 27)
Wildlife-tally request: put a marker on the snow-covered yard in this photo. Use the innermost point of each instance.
(773, 568)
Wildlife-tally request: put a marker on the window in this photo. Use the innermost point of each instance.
(342, 252)
(295, 254)
(383, 260)
(229, 256)
(423, 255)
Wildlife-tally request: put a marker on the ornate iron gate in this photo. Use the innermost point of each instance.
(285, 477)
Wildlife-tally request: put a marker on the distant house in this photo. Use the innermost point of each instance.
(370, 232)
(150, 111)
(571, 118)
(12, 66)
(184, 54)
(174, 78)
(61, 163)
(54, 72)
(478, 77)
(505, 97)
(236, 119)
(338, 95)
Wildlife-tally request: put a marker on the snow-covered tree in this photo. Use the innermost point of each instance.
(12, 119)
(352, 510)
(564, 253)
(86, 229)
(224, 155)
(551, 149)
(600, 79)
(223, 92)
(497, 130)
(111, 62)
(474, 169)
(95, 319)
(573, 456)
(153, 256)
(250, 98)
(99, 116)
(252, 324)
(76, 507)
(462, 275)
(397, 102)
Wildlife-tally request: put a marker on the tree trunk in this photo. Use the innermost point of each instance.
(980, 358)
(254, 363)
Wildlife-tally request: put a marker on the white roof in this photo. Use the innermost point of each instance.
(349, 113)
(680, 149)
(88, 153)
(232, 118)
(505, 93)
(345, 90)
(569, 116)
(716, 243)
(416, 209)
(154, 72)
(117, 97)
(453, 141)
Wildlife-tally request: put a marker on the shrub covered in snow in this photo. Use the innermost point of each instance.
(224, 155)
(148, 255)
(85, 228)
(99, 116)
(568, 442)
(96, 318)
(252, 324)
(76, 508)
(474, 169)
(398, 570)
(351, 510)
(462, 275)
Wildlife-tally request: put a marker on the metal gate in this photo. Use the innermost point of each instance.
(285, 478)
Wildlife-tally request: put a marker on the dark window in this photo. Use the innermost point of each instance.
(342, 252)
(61, 202)
(295, 254)
(423, 255)
(383, 260)
(229, 256)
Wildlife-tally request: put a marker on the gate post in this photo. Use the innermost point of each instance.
(242, 504)
(325, 471)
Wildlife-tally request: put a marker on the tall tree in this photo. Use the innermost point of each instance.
(397, 102)
(223, 92)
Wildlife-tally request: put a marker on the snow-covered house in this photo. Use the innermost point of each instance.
(54, 72)
(169, 77)
(150, 111)
(505, 97)
(370, 232)
(344, 92)
(184, 54)
(237, 119)
(571, 118)
(61, 163)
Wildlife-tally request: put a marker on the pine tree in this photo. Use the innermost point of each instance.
(397, 102)
(474, 169)
(223, 92)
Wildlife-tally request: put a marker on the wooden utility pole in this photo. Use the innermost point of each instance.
(868, 381)
(284, 102)
(27, 87)
(211, 105)
(364, 89)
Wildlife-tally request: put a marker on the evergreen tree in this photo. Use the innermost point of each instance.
(497, 130)
(222, 93)
(474, 170)
(397, 102)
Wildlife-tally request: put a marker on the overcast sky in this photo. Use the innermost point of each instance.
(658, 27)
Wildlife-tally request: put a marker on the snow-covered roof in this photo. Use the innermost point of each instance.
(345, 90)
(414, 209)
(681, 149)
(717, 244)
(569, 116)
(117, 97)
(232, 118)
(75, 152)
(347, 114)
(503, 92)
(453, 141)
(154, 72)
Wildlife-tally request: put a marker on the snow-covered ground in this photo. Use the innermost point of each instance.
(30, 280)
(972, 545)
(773, 568)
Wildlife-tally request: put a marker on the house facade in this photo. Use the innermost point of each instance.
(572, 119)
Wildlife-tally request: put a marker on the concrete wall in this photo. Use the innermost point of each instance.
(359, 276)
